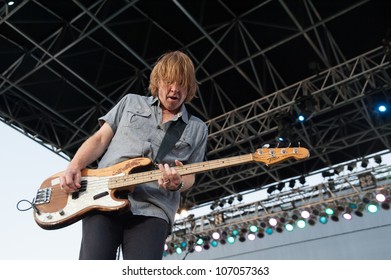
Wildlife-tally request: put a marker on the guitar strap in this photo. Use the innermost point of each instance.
(172, 135)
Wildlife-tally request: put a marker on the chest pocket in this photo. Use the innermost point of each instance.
(136, 118)
(182, 148)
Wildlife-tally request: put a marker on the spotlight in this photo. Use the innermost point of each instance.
(351, 166)
(292, 183)
(222, 203)
(302, 180)
(216, 235)
(271, 189)
(347, 214)
(289, 227)
(214, 205)
(377, 159)
(269, 231)
(273, 222)
(239, 197)
(251, 236)
(253, 228)
(327, 174)
(364, 163)
(323, 219)
(300, 223)
(382, 108)
(280, 186)
(359, 211)
(305, 214)
(372, 207)
(338, 170)
(231, 200)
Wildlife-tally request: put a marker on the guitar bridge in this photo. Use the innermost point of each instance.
(43, 196)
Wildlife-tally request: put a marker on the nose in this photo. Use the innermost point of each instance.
(174, 87)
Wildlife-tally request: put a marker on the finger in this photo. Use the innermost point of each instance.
(178, 163)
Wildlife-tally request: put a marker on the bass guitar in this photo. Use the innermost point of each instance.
(100, 188)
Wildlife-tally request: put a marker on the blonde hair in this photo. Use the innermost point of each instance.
(174, 67)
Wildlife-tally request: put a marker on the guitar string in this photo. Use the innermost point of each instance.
(125, 180)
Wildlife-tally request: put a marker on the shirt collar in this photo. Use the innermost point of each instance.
(181, 114)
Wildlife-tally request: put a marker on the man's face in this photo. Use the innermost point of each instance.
(171, 95)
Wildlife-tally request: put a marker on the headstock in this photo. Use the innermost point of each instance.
(271, 156)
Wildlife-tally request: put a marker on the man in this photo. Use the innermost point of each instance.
(135, 127)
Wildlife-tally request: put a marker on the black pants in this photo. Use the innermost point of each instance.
(141, 238)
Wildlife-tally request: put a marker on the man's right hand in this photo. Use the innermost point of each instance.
(70, 180)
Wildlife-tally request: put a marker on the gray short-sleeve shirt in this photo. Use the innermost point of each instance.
(138, 132)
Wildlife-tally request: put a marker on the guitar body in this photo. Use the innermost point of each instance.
(55, 208)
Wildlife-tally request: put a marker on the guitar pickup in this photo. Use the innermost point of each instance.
(100, 195)
(83, 188)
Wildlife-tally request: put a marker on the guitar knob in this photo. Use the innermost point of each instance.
(62, 213)
(49, 217)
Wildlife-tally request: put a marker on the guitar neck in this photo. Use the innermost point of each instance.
(194, 168)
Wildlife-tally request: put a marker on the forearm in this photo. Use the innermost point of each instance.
(188, 182)
(92, 148)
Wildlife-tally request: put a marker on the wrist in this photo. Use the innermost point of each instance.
(179, 187)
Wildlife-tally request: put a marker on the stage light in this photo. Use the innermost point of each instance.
(338, 169)
(364, 163)
(200, 241)
(280, 186)
(214, 205)
(378, 159)
(300, 223)
(305, 214)
(214, 243)
(253, 228)
(251, 236)
(385, 205)
(359, 211)
(372, 207)
(316, 210)
(335, 216)
(367, 198)
(269, 230)
(242, 238)
(279, 229)
(235, 232)
(231, 239)
(198, 248)
(351, 166)
(323, 219)
(302, 180)
(380, 197)
(301, 118)
(347, 214)
(178, 250)
(216, 235)
(327, 174)
(222, 203)
(311, 220)
(273, 222)
(239, 197)
(260, 234)
(329, 211)
(295, 215)
(289, 227)
(292, 183)
(271, 189)
(382, 108)
(231, 200)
